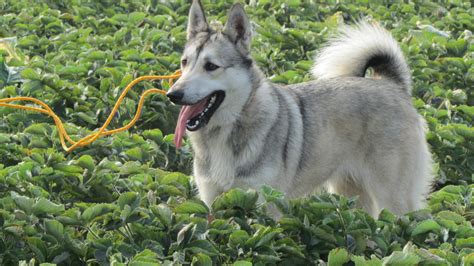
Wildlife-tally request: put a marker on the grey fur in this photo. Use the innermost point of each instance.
(358, 136)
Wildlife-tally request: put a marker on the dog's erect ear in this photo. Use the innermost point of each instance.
(238, 27)
(196, 20)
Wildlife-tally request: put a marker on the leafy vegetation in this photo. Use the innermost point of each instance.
(127, 198)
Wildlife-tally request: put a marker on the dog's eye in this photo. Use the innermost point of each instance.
(210, 66)
(184, 62)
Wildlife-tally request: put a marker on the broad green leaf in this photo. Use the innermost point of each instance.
(469, 110)
(75, 245)
(164, 214)
(154, 134)
(201, 259)
(86, 161)
(129, 198)
(136, 17)
(55, 228)
(97, 55)
(426, 226)
(192, 206)
(245, 200)
(73, 70)
(401, 258)
(44, 206)
(131, 167)
(386, 216)
(68, 168)
(86, 118)
(38, 129)
(468, 259)
(452, 216)
(38, 247)
(97, 210)
(361, 261)
(242, 263)
(23, 202)
(135, 153)
(30, 74)
(338, 256)
(4, 138)
(238, 238)
(465, 243)
(202, 246)
(271, 194)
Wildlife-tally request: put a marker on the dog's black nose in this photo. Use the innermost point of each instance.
(175, 96)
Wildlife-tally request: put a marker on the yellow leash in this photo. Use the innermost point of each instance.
(64, 136)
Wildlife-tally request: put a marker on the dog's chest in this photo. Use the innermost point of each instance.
(213, 158)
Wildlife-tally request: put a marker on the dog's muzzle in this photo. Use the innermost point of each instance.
(175, 96)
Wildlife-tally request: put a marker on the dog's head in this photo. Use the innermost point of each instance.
(215, 67)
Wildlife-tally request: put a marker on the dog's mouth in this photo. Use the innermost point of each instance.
(199, 118)
(195, 116)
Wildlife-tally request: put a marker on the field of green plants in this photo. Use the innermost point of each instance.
(129, 198)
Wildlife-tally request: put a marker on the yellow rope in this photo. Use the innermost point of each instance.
(64, 136)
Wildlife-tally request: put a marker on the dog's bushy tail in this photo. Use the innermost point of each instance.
(354, 49)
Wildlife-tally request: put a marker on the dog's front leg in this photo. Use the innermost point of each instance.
(208, 190)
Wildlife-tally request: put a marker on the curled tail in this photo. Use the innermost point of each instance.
(357, 48)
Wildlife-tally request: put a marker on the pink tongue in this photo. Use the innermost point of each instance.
(186, 113)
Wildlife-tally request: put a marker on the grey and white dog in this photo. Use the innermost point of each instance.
(359, 136)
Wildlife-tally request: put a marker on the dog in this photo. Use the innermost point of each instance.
(359, 136)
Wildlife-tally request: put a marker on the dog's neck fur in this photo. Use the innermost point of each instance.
(257, 80)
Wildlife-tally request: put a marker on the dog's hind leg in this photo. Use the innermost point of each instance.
(397, 181)
(400, 182)
(348, 187)
(393, 192)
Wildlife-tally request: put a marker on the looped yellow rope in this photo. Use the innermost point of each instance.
(64, 136)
